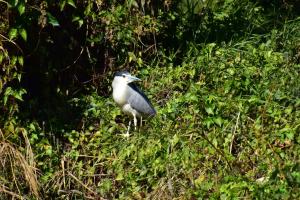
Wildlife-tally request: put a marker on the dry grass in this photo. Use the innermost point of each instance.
(16, 170)
(69, 184)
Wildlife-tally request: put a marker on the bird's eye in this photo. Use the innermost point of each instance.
(123, 76)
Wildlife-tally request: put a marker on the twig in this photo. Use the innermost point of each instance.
(86, 187)
(11, 161)
(154, 38)
(63, 170)
(4, 2)
(2, 189)
(69, 192)
(9, 40)
(1, 134)
(93, 175)
(75, 61)
(234, 131)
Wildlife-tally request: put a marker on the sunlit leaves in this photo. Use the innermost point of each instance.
(21, 60)
(13, 3)
(71, 3)
(52, 20)
(175, 140)
(209, 110)
(10, 92)
(21, 8)
(63, 3)
(1, 57)
(79, 20)
(13, 33)
(23, 33)
(218, 121)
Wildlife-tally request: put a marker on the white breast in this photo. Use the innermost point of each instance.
(119, 92)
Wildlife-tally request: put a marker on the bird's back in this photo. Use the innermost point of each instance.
(139, 101)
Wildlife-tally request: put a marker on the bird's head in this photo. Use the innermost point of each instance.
(125, 77)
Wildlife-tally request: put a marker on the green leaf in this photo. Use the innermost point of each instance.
(19, 76)
(71, 3)
(62, 5)
(209, 110)
(78, 19)
(13, 3)
(175, 140)
(218, 121)
(7, 93)
(75, 18)
(199, 180)
(18, 96)
(80, 22)
(12, 33)
(11, 128)
(21, 8)
(21, 60)
(1, 57)
(290, 135)
(23, 34)
(52, 20)
(132, 57)
(88, 9)
(139, 61)
(120, 176)
(13, 60)
(208, 122)
(48, 149)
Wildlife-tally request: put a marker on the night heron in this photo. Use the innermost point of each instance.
(130, 98)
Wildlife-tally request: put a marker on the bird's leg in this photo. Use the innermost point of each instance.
(127, 133)
(135, 121)
(141, 121)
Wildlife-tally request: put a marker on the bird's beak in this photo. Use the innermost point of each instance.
(132, 78)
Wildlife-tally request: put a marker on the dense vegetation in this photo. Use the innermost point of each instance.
(222, 74)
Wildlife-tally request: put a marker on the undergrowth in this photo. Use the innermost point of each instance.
(227, 127)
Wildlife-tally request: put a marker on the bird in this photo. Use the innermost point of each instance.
(130, 98)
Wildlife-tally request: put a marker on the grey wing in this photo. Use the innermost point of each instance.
(140, 102)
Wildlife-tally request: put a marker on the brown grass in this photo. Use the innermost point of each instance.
(68, 185)
(16, 170)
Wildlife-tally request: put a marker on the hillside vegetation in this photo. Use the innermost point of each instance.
(223, 76)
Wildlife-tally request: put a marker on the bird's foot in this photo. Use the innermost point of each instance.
(126, 135)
